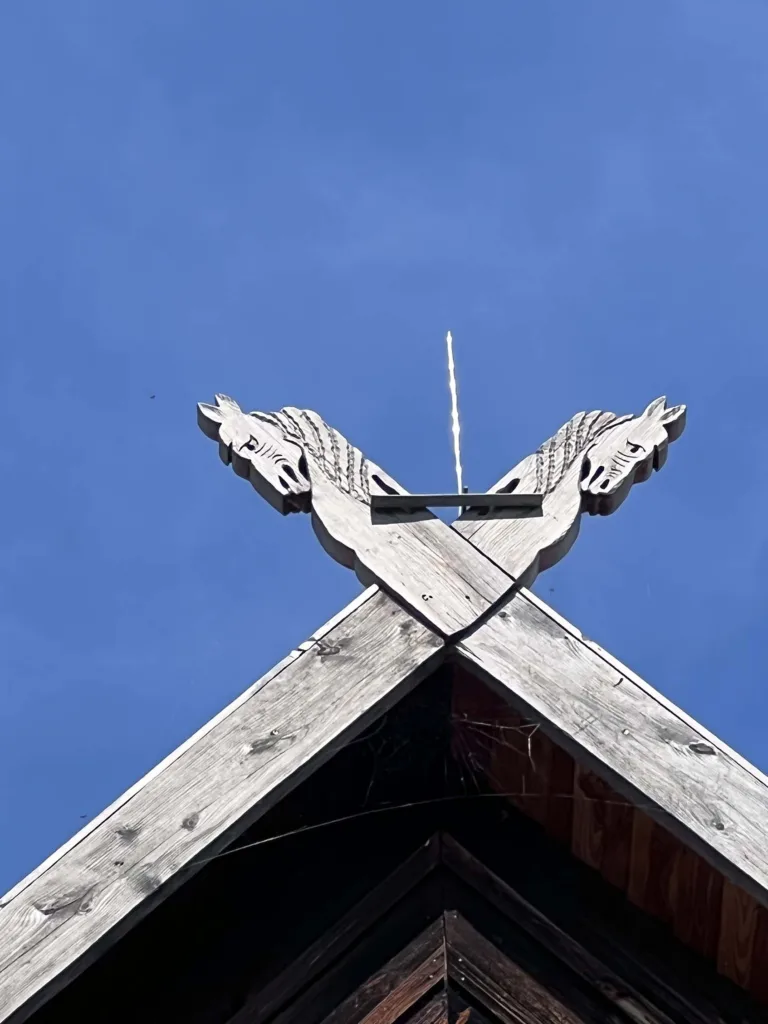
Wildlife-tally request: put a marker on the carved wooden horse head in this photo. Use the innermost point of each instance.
(261, 448)
(588, 466)
(299, 463)
(626, 453)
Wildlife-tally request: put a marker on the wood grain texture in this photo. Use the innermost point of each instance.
(83, 902)
(460, 1011)
(698, 899)
(738, 928)
(195, 738)
(435, 1012)
(615, 988)
(389, 993)
(647, 752)
(655, 868)
(625, 672)
(589, 466)
(299, 463)
(512, 754)
(496, 982)
(602, 827)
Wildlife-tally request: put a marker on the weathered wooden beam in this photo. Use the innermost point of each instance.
(330, 689)
(300, 464)
(509, 993)
(617, 725)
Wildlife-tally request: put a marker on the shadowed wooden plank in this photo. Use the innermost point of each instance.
(494, 740)
(640, 858)
(587, 842)
(593, 970)
(648, 753)
(219, 786)
(435, 1012)
(496, 982)
(520, 765)
(559, 823)
(698, 901)
(333, 943)
(654, 868)
(758, 978)
(738, 926)
(399, 985)
(460, 1012)
(602, 827)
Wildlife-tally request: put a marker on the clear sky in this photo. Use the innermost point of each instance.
(291, 201)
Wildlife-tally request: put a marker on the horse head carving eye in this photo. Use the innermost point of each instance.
(634, 449)
(252, 444)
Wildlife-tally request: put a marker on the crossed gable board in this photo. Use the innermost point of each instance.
(79, 902)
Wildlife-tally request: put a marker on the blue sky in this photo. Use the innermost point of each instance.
(291, 202)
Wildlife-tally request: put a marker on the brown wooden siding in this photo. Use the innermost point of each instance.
(630, 850)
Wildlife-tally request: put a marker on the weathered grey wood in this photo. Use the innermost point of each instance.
(589, 466)
(653, 694)
(299, 463)
(159, 768)
(642, 745)
(67, 915)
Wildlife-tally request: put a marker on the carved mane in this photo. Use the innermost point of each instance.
(557, 455)
(342, 463)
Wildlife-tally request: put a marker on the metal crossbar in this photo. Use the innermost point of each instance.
(411, 502)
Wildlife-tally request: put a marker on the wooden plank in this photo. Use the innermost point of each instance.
(738, 927)
(587, 840)
(562, 768)
(215, 789)
(195, 738)
(488, 976)
(393, 990)
(512, 905)
(520, 764)
(626, 673)
(758, 977)
(435, 1012)
(640, 858)
(646, 751)
(647, 972)
(299, 463)
(460, 1011)
(654, 868)
(491, 738)
(696, 912)
(333, 943)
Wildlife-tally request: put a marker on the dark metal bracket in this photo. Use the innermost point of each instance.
(418, 502)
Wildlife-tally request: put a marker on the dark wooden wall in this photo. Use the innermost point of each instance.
(632, 852)
(400, 884)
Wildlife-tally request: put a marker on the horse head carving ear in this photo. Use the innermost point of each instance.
(258, 447)
(672, 418)
(210, 417)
